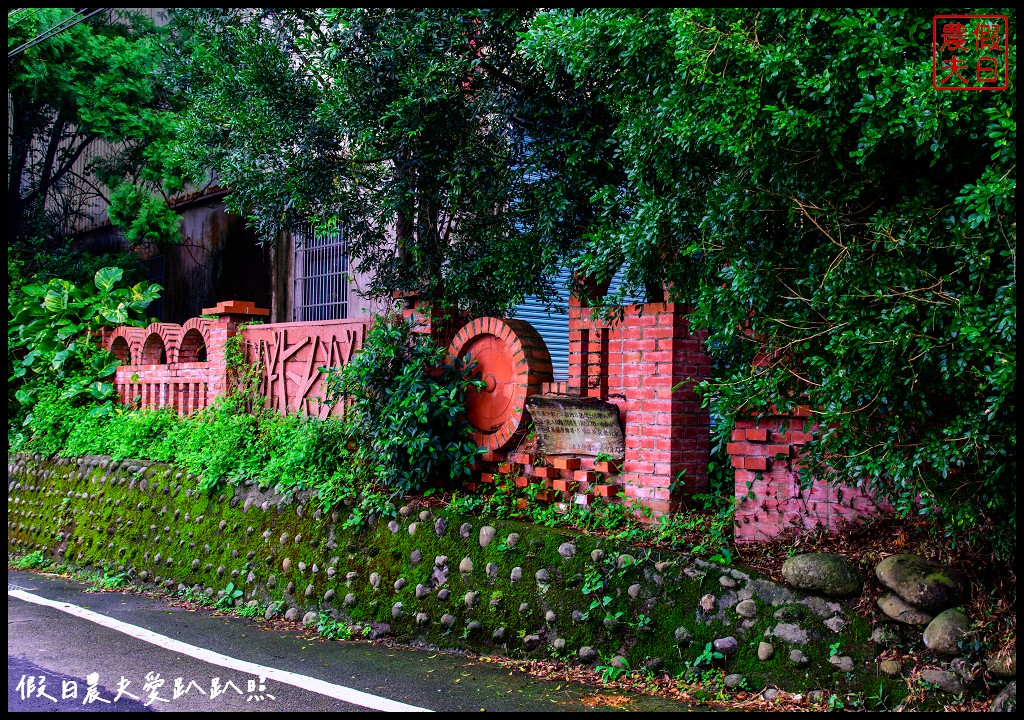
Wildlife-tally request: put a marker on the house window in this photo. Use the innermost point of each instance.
(321, 276)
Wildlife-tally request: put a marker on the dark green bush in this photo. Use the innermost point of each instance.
(404, 403)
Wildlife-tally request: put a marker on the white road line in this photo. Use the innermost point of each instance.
(304, 682)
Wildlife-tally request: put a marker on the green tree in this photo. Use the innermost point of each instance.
(80, 84)
(793, 176)
(417, 129)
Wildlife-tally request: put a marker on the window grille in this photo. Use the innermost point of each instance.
(321, 276)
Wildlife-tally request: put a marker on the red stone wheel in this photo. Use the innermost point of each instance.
(513, 361)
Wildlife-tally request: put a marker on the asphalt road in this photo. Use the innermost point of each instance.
(69, 650)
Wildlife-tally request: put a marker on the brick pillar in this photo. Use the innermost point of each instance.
(647, 364)
(229, 315)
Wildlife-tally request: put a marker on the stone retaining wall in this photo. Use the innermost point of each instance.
(488, 585)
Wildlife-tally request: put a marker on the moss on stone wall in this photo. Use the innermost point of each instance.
(492, 586)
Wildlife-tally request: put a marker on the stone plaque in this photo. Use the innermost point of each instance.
(577, 426)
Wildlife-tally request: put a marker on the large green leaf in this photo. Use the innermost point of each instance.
(106, 278)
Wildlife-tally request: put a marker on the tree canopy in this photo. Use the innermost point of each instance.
(424, 132)
(793, 175)
(79, 82)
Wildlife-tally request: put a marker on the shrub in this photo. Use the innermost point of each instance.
(403, 424)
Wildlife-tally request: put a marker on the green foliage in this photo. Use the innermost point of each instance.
(145, 217)
(228, 596)
(423, 122)
(403, 422)
(51, 350)
(35, 560)
(112, 580)
(92, 82)
(610, 673)
(249, 611)
(331, 629)
(795, 179)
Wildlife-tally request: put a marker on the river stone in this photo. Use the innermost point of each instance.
(945, 680)
(1003, 665)
(727, 581)
(831, 575)
(746, 608)
(524, 608)
(567, 550)
(798, 658)
(619, 662)
(440, 525)
(350, 599)
(895, 607)
(498, 635)
(516, 575)
(291, 614)
(311, 618)
(921, 582)
(531, 642)
(421, 591)
(835, 624)
(732, 680)
(413, 527)
(424, 515)
(550, 616)
(471, 598)
(375, 580)
(397, 610)
(890, 668)
(329, 595)
(486, 535)
(440, 560)
(421, 618)
(633, 590)
(1006, 700)
(464, 530)
(842, 663)
(558, 644)
(415, 556)
(597, 555)
(791, 633)
(512, 540)
(443, 594)
(309, 590)
(394, 527)
(765, 651)
(466, 566)
(944, 632)
(726, 645)
(290, 587)
(884, 636)
(399, 584)
(683, 635)
(587, 655)
(542, 575)
(491, 569)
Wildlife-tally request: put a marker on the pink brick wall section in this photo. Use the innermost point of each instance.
(290, 353)
(768, 493)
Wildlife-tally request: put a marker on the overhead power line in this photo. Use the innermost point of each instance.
(55, 30)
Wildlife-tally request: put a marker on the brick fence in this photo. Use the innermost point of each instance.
(647, 363)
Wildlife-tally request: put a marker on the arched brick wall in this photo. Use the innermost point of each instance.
(133, 338)
(195, 344)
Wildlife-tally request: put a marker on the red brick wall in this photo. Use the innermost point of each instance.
(647, 365)
(768, 493)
